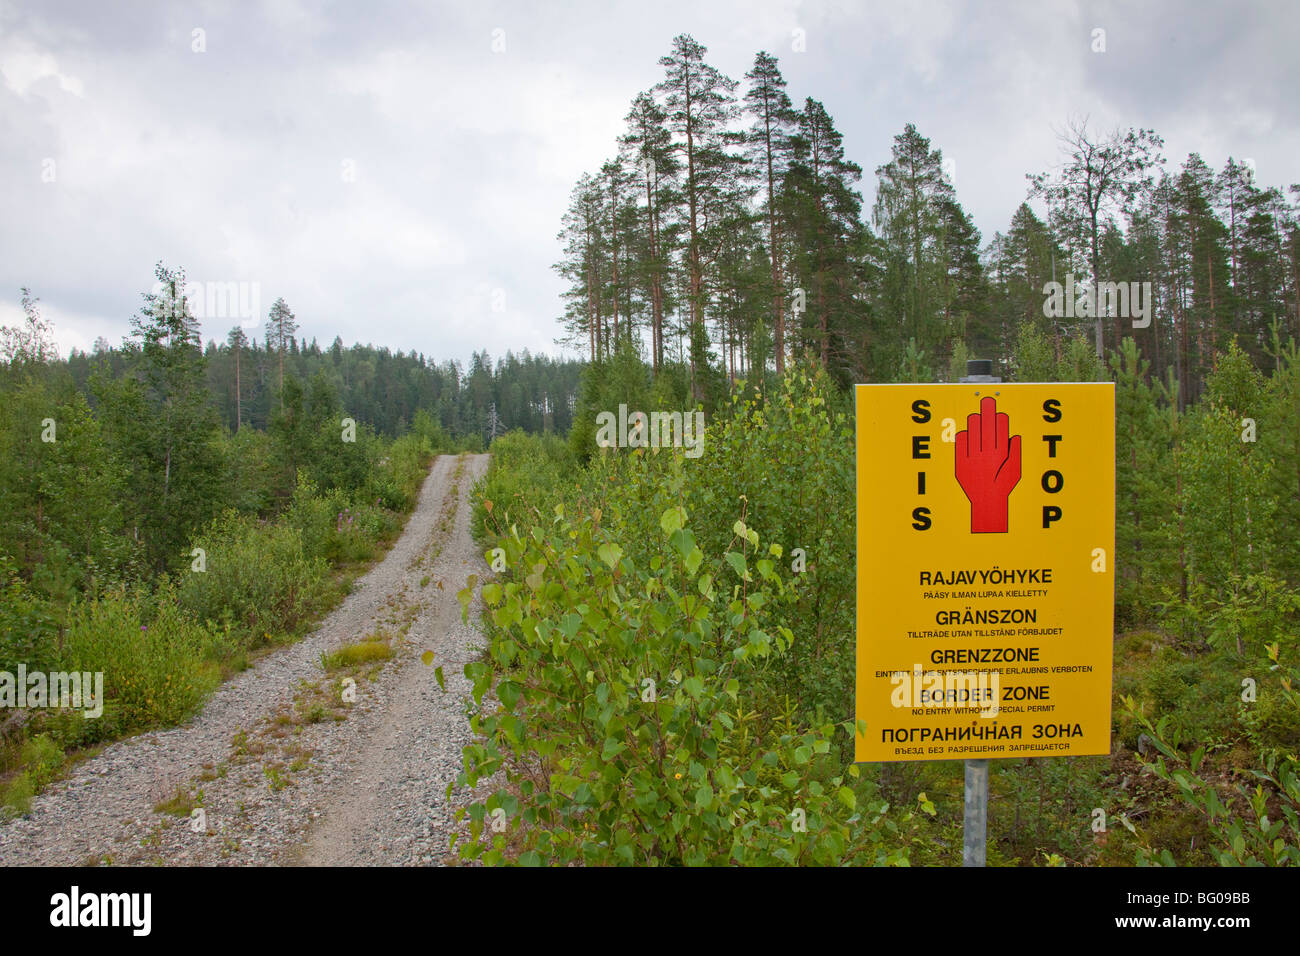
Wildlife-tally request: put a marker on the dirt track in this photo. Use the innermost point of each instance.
(283, 768)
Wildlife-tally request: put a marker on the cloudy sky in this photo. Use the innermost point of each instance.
(397, 171)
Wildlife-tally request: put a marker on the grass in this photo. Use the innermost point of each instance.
(17, 799)
(276, 780)
(181, 805)
(352, 655)
(40, 760)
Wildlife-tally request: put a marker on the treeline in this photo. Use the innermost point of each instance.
(142, 538)
(382, 388)
(728, 232)
(108, 478)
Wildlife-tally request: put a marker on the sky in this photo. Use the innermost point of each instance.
(397, 172)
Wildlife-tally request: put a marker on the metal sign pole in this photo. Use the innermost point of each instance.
(976, 813)
(976, 796)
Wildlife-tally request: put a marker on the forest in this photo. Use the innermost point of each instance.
(278, 469)
(721, 259)
(728, 231)
(668, 671)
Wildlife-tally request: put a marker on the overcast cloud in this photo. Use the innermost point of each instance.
(393, 178)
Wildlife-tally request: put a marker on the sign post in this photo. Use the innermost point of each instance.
(975, 795)
(985, 539)
(975, 814)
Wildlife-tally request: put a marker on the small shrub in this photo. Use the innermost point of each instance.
(181, 805)
(43, 759)
(258, 577)
(154, 675)
(353, 654)
(17, 799)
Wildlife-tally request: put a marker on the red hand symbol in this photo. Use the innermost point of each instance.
(988, 466)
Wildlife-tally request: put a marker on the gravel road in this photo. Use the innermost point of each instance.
(281, 767)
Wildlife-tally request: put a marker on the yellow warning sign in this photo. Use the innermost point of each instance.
(986, 539)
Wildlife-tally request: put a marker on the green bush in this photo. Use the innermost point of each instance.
(789, 462)
(525, 473)
(1199, 693)
(42, 758)
(17, 799)
(396, 478)
(423, 425)
(627, 728)
(27, 625)
(1254, 826)
(154, 675)
(334, 528)
(257, 578)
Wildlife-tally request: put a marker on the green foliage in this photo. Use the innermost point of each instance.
(42, 758)
(28, 627)
(525, 470)
(18, 793)
(752, 676)
(914, 367)
(621, 379)
(333, 526)
(363, 652)
(628, 684)
(151, 658)
(250, 486)
(1249, 611)
(1145, 541)
(160, 423)
(1228, 506)
(1045, 804)
(1278, 426)
(789, 462)
(59, 519)
(1252, 826)
(1034, 361)
(1079, 362)
(426, 427)
(257, 580)
(1199, 694)
(957, 363)
(395, 480)
(1236, 385)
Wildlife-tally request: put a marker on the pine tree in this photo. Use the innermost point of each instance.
(907, 216)
(280, 328)
(1143, 478)
(965, 288)
(1021, 264)
(584, 243)
(1229, 494)
(700, 104)
(162, 424)
(238, 341)
(823, 211)
(1278, 434)
(618, 213)
(1235, 187)
(769, 151)
(647, 148)
(1199, 271)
